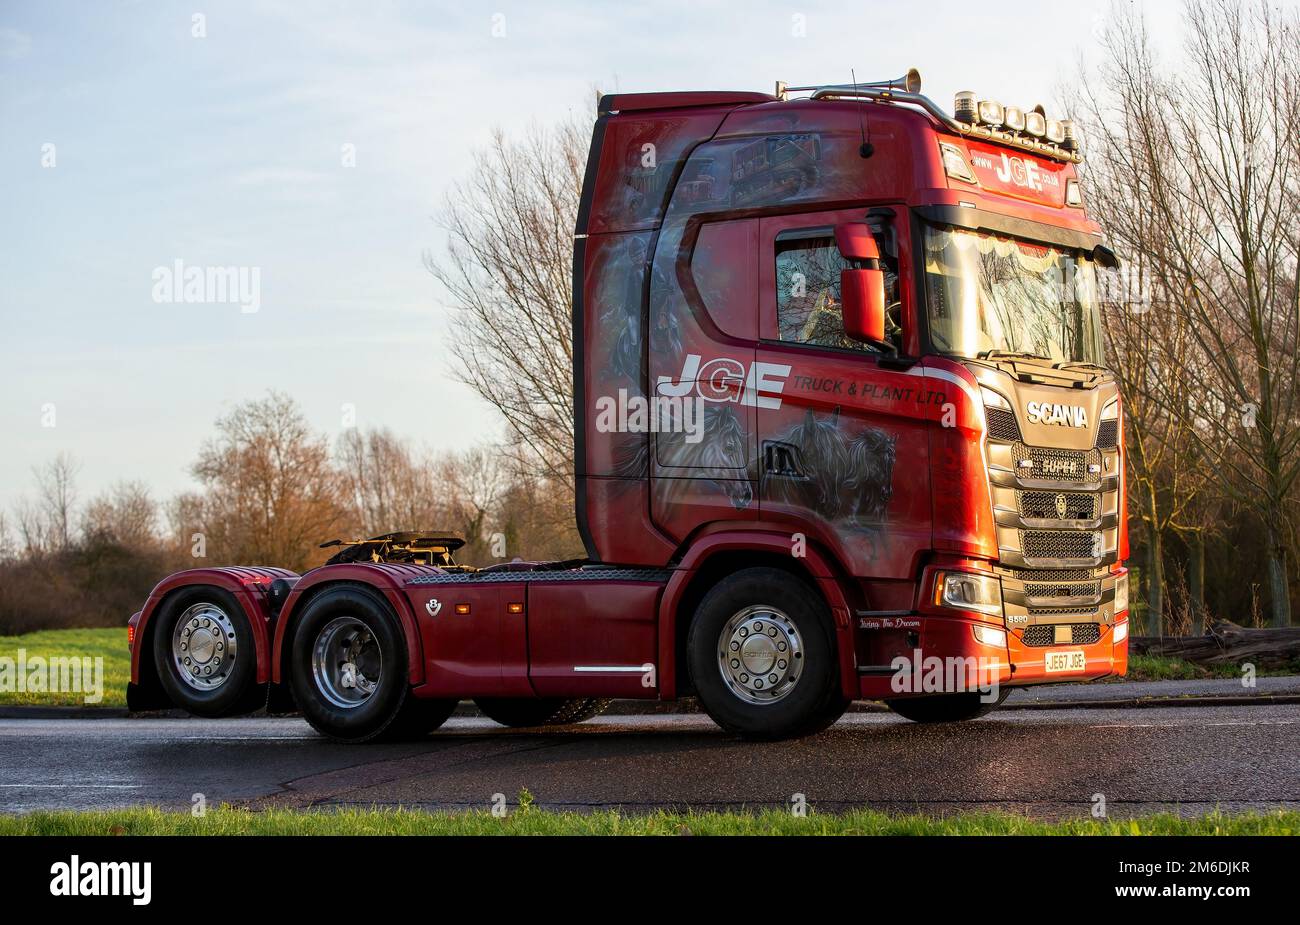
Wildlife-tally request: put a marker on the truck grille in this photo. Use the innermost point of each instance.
(1002, 425)
(1044, 504)
(1044, 634)
(1058, 544)
(1060, 465)
(1041, 589)
(1108, 434)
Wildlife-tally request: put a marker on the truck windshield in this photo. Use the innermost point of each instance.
(992, 295)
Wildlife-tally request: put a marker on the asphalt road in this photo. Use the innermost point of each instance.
(1047, 763)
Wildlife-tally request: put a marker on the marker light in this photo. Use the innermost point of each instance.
(989, 635)
(1036, 124)
(1072, 195)
(954, 163)
(1013, 117)
(1055, 134)
(1121, 594)
(990, 112)
(968, 591)
(964, 107)
(1111, 411)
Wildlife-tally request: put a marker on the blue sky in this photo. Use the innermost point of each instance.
(226, 150)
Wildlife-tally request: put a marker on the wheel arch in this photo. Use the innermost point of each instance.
(382, 581)
(243, 584)
(717, 555)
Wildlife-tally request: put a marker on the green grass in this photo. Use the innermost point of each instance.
(110, 644)
(1159, 668)
(532, 821)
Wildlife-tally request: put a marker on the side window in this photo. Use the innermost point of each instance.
(808, 291)
(808, 310)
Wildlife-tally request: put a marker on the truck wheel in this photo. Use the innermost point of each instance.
(204, 653)
(762, 656)
(348, 671)
(945, 708)
(522, 712)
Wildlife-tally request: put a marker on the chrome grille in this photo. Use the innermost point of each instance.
(1052, 574)
(1059, 465)
(1044, 634)
(1002, 425)
(1039, 589)
(1058, 544)
(1044, 504)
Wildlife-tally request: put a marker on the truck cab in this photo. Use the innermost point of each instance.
(960, 468)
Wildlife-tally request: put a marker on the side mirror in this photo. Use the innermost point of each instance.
(862, 287)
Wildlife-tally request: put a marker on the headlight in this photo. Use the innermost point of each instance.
(994, 399)
(967, 591)
(1110, 411)
(1055, 133)
(1121, 594)
(1121, 632)
(1035, 123)
(1014, 118)
(954, 164)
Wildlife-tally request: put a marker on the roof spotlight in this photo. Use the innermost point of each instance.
(990, 112)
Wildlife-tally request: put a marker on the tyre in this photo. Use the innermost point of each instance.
(946, 708)
(521, 712)
(348, 671)
(762, 655)
(204, 654)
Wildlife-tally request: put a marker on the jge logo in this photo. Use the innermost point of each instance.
(723, 379)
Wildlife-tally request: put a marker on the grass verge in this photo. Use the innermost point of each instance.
(529, 820)
(107, 643)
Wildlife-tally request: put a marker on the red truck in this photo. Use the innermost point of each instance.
(843, 431)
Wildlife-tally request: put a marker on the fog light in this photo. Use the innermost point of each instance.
(989, 635)
(1121, 632)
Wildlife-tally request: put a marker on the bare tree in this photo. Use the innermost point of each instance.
(270, 493)
(508, 273)
(1208, 159)
(388, 486)
(56, 498)
(125, 514)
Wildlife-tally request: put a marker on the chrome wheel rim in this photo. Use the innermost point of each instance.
(346, 662)
(760, 655)
(204, 647)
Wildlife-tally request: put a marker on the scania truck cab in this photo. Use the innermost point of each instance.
(843, 430)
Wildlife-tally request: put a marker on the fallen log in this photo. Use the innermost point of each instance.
(1226, 643)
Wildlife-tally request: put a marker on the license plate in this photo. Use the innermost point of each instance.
(1066, 660)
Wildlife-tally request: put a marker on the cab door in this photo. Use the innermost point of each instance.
(843, 442)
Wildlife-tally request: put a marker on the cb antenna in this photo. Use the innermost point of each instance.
(866, 149)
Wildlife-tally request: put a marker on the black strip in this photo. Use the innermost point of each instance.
(580, 340)
(654, 575)
(982, 220)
